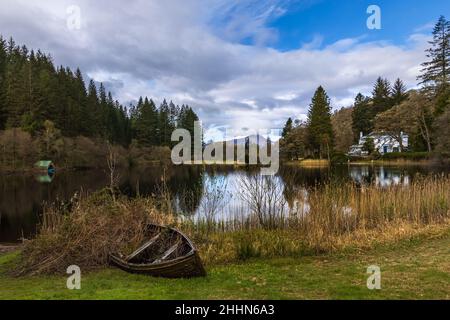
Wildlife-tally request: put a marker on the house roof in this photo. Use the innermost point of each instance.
(43, 163)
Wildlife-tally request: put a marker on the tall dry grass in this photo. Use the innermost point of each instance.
(95, 226)
(330, 217)
(326, 218)
(337, 210)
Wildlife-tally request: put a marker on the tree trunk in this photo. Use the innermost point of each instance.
(426, 132)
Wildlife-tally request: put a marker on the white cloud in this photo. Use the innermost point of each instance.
(189, 51)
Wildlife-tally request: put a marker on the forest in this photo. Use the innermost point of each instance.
(422, 113)
(49, 112)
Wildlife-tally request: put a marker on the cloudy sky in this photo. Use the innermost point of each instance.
(239, 64)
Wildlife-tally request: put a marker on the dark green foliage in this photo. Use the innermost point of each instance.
(398, 92)
(369, 146)
(287, 128)
(436, 71)
(407, 155)
(442, 101)
(33, 91)
(381, 95)
(146, 125)
(339, 158)
(362, 116)
(3, 63)
(166, 124)
(320, 130)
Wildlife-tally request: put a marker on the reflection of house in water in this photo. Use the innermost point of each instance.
(387, 178)
(383, 143)
(378, 175)
(360, 174)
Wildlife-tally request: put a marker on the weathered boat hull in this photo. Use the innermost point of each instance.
(183, 266)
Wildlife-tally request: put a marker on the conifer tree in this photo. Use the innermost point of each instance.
(362, 116)
(320, 130)
(93, 110)
(164, 124)
(287, 128)
(147, 123)
(381, 95)
(436, 71)
(398, 92)
(3, 62)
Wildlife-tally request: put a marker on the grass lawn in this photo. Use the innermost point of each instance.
(414, 269)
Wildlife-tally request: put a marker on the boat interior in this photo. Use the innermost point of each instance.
(163, 244)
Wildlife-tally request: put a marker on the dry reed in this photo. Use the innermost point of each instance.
(326, 218)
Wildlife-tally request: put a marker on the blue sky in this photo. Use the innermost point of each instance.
(241, 64)
(337, 19)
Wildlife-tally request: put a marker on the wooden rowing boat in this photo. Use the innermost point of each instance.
(168, 253)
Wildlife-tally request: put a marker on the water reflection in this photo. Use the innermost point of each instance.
(22, 196)
(45, 178)
(381, 176)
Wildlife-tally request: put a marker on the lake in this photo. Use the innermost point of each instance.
(22, 197)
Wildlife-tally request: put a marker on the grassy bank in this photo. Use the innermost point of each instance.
(414, 268)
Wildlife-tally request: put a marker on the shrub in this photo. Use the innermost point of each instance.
(95, 227)
(339, 158)
(407, 156)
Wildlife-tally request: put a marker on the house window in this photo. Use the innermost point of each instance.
(396, 149)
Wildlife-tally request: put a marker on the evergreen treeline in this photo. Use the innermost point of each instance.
(33, 92)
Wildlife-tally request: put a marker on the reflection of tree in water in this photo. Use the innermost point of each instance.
(188, 189)
(297, 179)
(184, 183)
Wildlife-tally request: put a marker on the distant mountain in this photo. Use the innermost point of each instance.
(252, 139)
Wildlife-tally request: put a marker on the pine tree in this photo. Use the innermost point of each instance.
(164, 124)
(3, 62)
(381, 95)
(147, 123)
(287, 128)
(174, 111)
(398, 92)
(436, 71)
(14, 91)
(320, 130)
(187, 119)
(362, 116)
(80, 114)
(93, 110)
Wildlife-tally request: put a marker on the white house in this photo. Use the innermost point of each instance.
(383, 143)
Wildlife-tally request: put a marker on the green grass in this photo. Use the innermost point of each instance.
(414, 269)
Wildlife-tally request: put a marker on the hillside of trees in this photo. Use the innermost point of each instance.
(424, 114)
(48, 112)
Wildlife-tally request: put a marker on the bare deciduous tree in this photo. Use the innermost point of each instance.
(111, 161)
(214, 194)
(264, 195)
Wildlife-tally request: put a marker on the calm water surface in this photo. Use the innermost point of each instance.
(22, 196)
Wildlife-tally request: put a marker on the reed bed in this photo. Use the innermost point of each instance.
(325, 218)
(331, 217)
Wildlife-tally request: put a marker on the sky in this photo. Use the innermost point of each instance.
(242, 65)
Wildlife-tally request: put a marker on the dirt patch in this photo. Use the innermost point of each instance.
(8, 248)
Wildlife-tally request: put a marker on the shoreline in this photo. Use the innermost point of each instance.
(8, 247)
(316, 163)
(302, 277)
